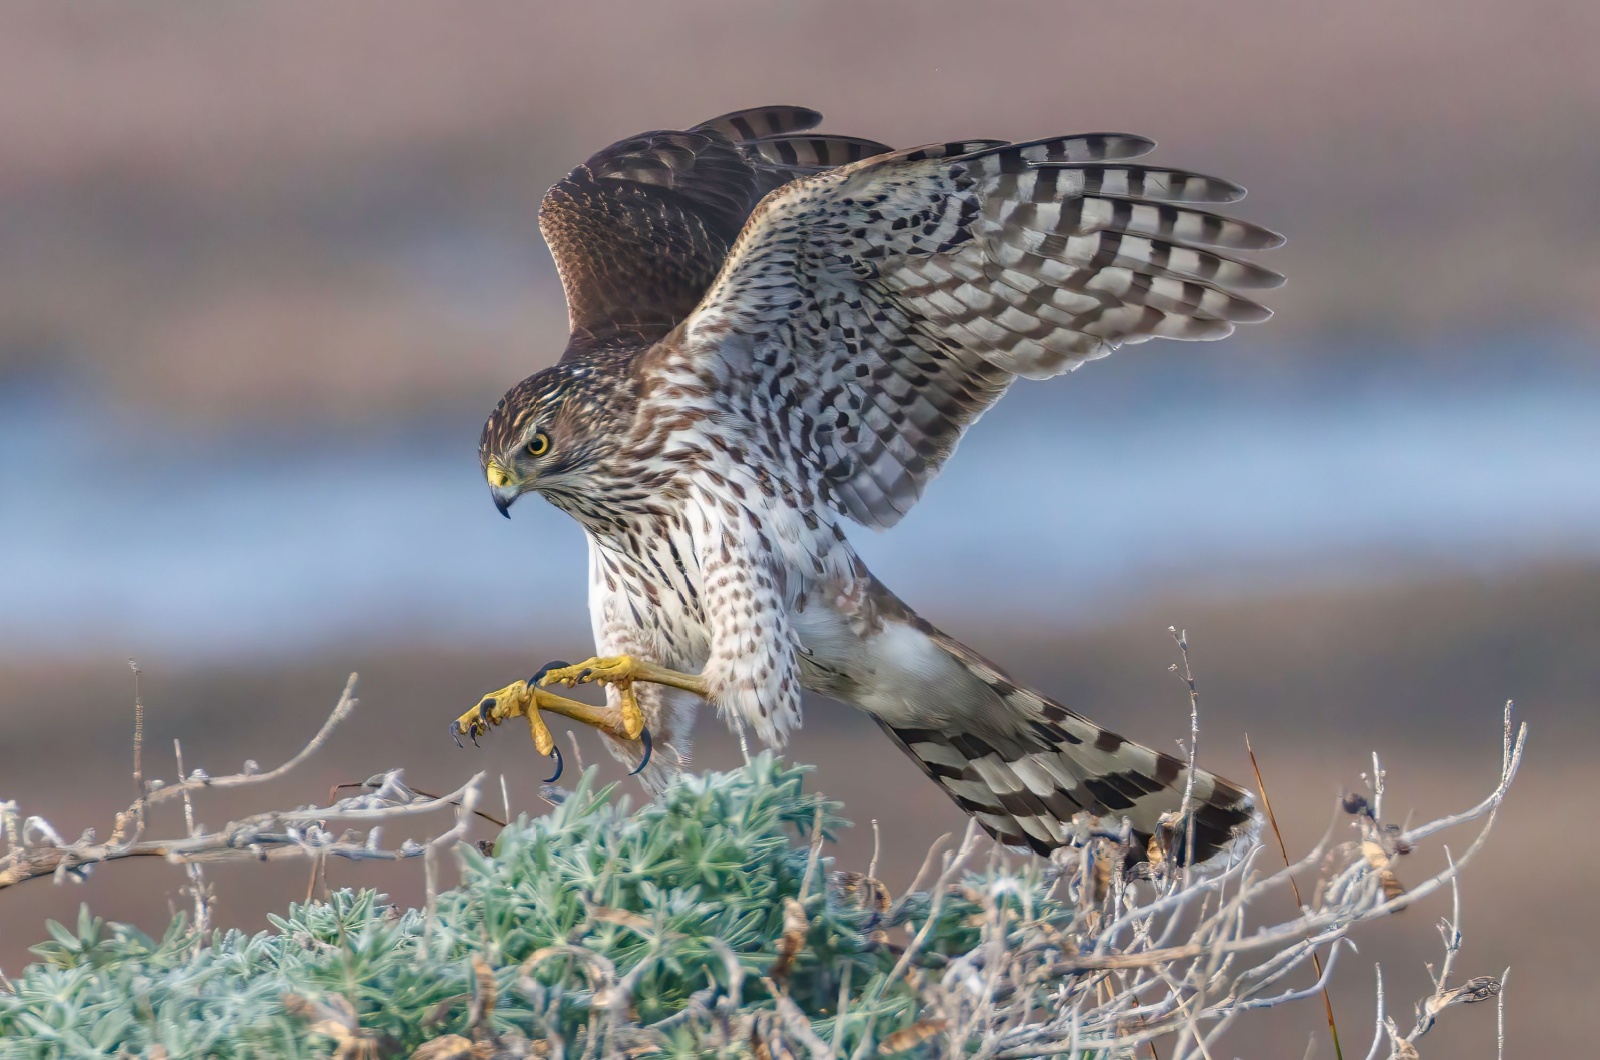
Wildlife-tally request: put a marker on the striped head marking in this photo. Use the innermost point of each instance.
(544, 434)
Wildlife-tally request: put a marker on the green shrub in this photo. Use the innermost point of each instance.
(680, 901)
(705, 924)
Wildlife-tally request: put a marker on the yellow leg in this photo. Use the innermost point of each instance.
(527, 699)
(622, 671)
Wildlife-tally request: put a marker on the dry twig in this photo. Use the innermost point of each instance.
(34, 849)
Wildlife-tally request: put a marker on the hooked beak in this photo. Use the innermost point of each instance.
(501, 488)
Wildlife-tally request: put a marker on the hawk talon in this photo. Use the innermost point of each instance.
(649, 745)
(527, 699)
(555, 752)
(482, 724)
(546, 668)
(455, 734)
(622, 671)
(617, 670)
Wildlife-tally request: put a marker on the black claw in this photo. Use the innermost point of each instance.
(555, 752)
(482, 724)
(546, 668)
(585, 672)
(455, 733)
(649, 745)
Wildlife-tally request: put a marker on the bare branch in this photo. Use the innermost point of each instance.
(35, 849)
(1112, 983)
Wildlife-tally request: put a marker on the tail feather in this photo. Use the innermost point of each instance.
(1027, 795)
(1026, 770)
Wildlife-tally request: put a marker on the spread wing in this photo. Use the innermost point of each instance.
(869, 315)
(640, 230)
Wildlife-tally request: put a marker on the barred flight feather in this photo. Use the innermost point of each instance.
(952, 268)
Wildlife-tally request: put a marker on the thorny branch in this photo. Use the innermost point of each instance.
(34, 849)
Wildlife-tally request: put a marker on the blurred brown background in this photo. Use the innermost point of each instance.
(263, 269)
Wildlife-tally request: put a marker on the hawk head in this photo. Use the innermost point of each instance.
(548, 433)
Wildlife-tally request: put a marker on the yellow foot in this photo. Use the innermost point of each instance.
(622, 671)
(606, 669)
(618, 670)
(526, 699)
(518, 699)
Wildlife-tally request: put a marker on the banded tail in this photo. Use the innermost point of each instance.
(1024, 766)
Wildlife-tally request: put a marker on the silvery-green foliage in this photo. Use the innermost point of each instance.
(671, 891)
(703, 925)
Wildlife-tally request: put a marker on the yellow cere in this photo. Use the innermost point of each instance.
(498, 476)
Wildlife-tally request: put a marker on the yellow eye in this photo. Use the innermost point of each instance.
(540, 444)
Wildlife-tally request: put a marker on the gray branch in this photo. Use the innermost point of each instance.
(34, 849)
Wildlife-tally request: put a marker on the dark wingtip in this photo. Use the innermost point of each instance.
(753, 123)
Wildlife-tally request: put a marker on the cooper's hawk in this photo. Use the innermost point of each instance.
(775, 331)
